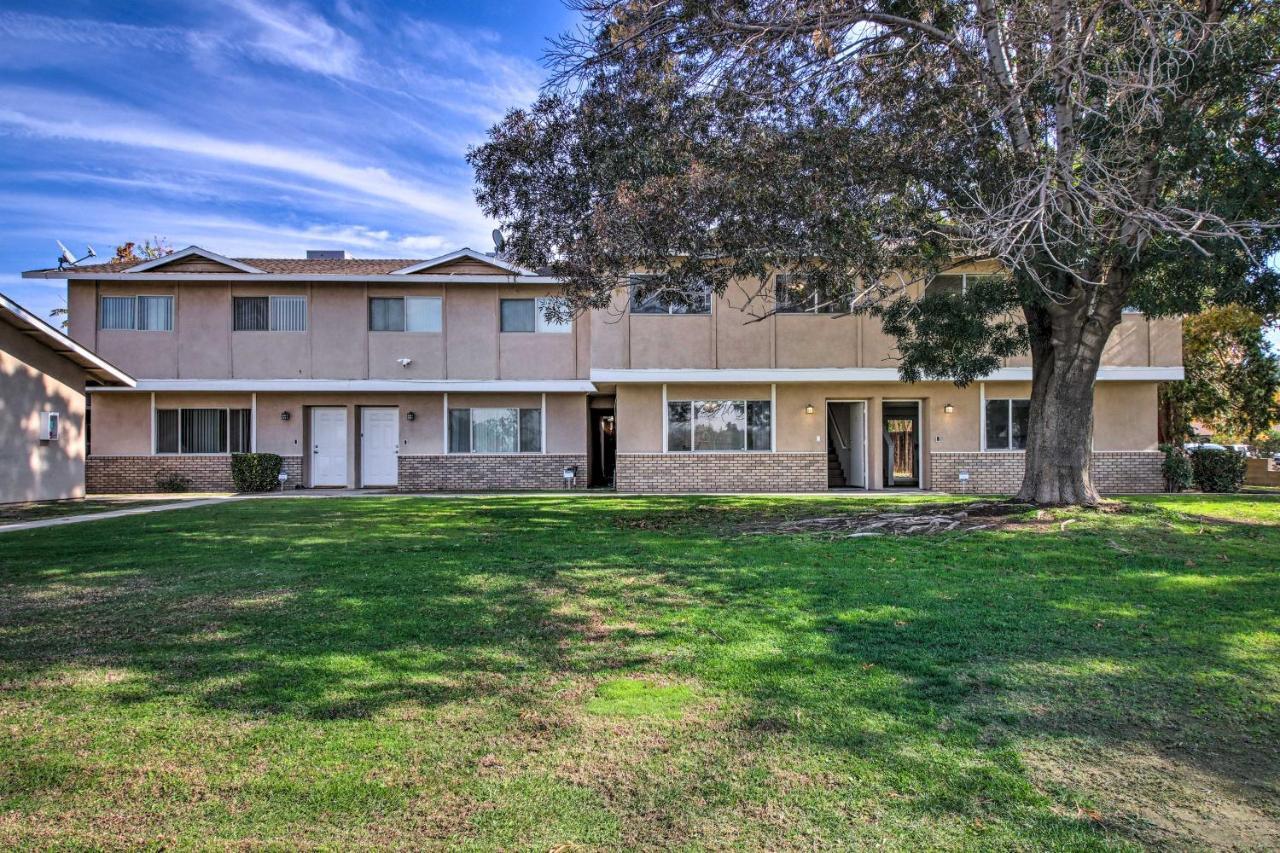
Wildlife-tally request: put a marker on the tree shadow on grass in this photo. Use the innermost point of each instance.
(881, 651)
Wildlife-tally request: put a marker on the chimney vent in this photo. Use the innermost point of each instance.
(328, 255)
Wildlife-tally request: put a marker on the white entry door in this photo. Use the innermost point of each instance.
(328, 447)
(379, 447)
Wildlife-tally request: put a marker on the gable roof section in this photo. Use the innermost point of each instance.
(32, 326)
(231, 264)
(464, 254)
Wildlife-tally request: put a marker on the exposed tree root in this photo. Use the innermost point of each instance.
(969, 517)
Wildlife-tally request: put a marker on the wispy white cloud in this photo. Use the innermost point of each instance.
(292, 34)
(370, 180)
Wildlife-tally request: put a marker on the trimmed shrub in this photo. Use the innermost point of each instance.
(1176, 468)
(255, 472)
(1217, 470)
(172, 481)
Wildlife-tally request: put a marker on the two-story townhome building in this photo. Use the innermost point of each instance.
(447, 374)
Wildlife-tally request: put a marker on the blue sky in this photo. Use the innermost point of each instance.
(252, 127)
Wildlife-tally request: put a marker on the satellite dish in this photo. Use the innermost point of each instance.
(499, 242)
(67, 259)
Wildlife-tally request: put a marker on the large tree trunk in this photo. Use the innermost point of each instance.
(1066, 350)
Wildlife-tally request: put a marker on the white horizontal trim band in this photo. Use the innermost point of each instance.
(356, 386)
(851, 374)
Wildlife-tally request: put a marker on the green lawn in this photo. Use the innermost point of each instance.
(580, 672)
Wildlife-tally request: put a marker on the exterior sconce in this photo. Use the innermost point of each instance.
(412, 416)
(948, 408)
(808, 409)
(284, 416)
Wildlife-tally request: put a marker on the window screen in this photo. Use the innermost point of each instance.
(249, 313)
(119, 312)
(518, 315)
(530, 430)
(241, 431)
(288, 314)
(459, 430)
(1007, 424)
(422, 314)
(155, 313)
(166, 431)
(386, 314)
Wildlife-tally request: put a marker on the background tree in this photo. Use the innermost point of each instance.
(1233, 376)
(1108, 153)
(156, 247)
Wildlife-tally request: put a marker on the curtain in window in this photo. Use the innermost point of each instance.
(459, 430)
(288, 313)
(155, 313)
(118, 312)
(166, 430)
(249, 314)
(204, 430)
(422, 314)
(517, 315)
(495, 430)
(240, 429)
(386, 314)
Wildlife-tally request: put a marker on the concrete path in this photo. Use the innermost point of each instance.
(159, 506)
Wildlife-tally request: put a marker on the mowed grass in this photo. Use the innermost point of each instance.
(601, 672)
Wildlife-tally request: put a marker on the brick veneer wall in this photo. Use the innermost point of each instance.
(1114, 471)
(133, 474)
(481, 472)
(721, 472)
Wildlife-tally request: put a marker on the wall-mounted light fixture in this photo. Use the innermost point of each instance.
(284, 416)
(808, 409)
(412, 416)
(948, 408)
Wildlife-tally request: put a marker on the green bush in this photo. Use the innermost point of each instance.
(1217, 470)
(255, 472)
(1176, 468)
(172, 481)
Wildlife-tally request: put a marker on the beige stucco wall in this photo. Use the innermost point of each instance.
(337, 343)
(741, 333)
(122, 420)
(34, 379)
(1125, 414)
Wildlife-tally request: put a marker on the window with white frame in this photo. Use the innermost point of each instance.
(650, 295)
(707, 426)
(405, 314)
(141, 313)
(197, 431)
(495, 430)
(545, 314)
(269, 313)
(797, 293)
(1006, 424)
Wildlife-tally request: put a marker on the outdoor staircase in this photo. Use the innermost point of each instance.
(835, 471)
